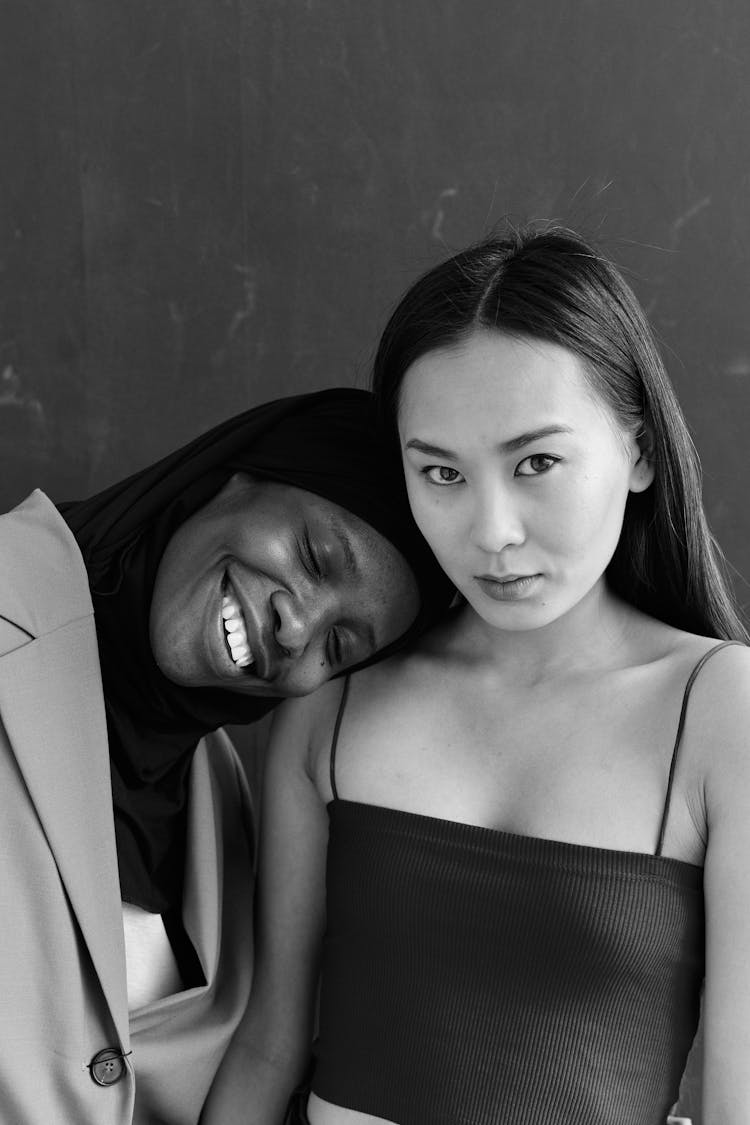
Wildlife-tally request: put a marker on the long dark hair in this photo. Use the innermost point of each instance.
(548, 284)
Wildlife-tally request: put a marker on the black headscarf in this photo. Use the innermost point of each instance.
(326, 443)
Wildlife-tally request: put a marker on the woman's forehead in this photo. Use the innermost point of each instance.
(497, 386)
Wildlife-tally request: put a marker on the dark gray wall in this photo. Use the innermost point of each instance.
(203, 204)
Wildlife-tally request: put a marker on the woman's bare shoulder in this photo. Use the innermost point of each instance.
(303, 728)
(308, 716)
(713, 662)
(717, 712)
(722, 686)
(682, 651)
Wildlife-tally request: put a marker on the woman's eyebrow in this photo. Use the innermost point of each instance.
(509, 446)
(351, 564)
(432, 450)
(519, 442)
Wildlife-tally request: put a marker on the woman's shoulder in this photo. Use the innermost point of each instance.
(722, 678)
(316, 713)
(714, 748)
(714, 675)
(304, 720)
(704, 679)
(304, 727)
(696, 655)
(655, 642)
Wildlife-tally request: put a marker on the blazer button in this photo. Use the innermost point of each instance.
(107, 1066)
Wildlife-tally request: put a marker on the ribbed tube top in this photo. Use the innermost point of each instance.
(476, 977)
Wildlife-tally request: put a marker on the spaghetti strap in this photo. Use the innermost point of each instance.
(335, 738)
(680, 727)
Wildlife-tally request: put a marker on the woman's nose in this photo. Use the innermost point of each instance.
(296, 620)
(496, 521)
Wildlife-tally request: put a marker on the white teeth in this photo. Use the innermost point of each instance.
(235, 632)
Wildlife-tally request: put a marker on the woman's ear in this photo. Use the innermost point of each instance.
(643, 468)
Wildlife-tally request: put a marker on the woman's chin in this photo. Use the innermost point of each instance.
(180, 665)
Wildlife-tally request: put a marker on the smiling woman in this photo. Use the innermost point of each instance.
(270, 590)
(267, 556)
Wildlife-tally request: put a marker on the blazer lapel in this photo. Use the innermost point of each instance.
(52, 708)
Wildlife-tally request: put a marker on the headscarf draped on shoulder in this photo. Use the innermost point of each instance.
(326, 443)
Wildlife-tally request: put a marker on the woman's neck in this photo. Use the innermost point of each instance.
(595, 633)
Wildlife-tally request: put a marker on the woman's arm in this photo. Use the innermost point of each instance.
(270, 1050)
(725, 706)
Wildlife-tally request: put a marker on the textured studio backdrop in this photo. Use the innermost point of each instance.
(205, 203)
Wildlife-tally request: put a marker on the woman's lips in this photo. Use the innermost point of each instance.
(511, 588)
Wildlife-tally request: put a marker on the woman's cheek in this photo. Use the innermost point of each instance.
(419, 509)
(444, 539)
(431, 517)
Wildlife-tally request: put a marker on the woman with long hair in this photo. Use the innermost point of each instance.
(515, 851)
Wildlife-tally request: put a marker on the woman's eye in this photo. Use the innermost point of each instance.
(536, 464)
(441, 474)
(309, 556)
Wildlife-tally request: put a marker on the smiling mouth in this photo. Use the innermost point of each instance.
(235, 629)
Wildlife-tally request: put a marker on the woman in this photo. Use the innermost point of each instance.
(270, 554)
(528, 813)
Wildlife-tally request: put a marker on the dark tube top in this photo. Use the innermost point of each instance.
(476, 977)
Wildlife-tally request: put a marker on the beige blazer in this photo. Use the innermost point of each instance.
(62, 961)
